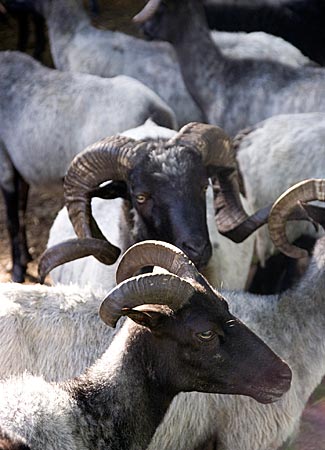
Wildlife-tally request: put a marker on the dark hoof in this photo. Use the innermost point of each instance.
(18, 274)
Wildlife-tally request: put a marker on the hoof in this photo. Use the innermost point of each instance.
(18, 274)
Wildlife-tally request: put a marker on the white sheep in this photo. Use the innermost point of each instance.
(77, 46)
(47, 117)
(121, 399)
(259, 45)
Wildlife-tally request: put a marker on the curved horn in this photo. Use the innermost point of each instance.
(73, 249)
(147, 12)
(156, 253)
(162, 289)
(219, 156)
(108, 159)
(305, 191)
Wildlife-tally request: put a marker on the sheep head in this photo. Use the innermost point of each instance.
(168, 20)
(191, 325)
(165, 183)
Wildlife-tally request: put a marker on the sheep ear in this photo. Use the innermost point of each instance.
(147, 318)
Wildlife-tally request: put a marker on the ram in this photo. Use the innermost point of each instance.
(52, 333)
(271, 157)
(46, 118)
(181, 338)
(163, 191)
(232, 93)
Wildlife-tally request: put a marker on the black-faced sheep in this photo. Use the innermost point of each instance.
(181, 338)
(163, 185)
(43, 327)
(271, 157)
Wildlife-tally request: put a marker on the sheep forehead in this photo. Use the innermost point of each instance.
(173, 161)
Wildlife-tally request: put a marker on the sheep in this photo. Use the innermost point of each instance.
(77, 46)
(243, 424)
(233, 93)
(187, 226)
(299, 22)
(259, 45)
(274, 155)
(291, 323)
(57, 115)
(270, 158)
(181, 337)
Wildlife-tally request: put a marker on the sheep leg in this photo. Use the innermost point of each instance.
(16, 201)
(40, 39)
(94, 8)
(23, 31)
(23, 189)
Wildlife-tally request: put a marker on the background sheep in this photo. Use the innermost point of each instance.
(78, 46)
(297, 21)
(121, 399)
(46, 118)
(259, 45)
(244, 91)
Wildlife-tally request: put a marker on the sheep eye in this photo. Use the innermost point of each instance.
(141, 198)
(205, 188)
(206, 335)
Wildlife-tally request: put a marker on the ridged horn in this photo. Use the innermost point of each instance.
(147, 11)
(156, 253)
(161, 289)
(73, 249)
(108, 159)
(219, 156)
(305, 191)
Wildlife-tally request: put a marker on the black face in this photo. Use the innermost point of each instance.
(170, 199)
(220, 354)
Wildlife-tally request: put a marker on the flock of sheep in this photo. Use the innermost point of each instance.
(187, 152)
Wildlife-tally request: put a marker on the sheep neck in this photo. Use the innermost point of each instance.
(64, 20)
(201, 62)
(120, 401)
